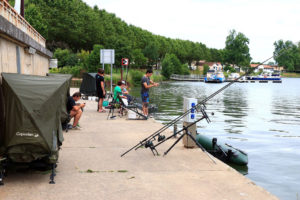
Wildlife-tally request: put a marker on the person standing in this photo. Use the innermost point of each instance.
(146, 85)
(100, 89)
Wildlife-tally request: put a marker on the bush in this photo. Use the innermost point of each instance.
(229, 68)
(185, 69)
(93, 60)
(75, 70)
(115, 78)
(205, 69)
(136, 77)
(65, 57)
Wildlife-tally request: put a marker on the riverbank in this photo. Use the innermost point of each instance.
(290, 75)
(90, 167)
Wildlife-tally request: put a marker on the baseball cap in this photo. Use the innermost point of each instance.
(123, 82)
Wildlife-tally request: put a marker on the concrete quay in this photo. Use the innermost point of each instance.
(90, 167)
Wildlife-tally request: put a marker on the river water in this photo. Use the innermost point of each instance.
(262, 119)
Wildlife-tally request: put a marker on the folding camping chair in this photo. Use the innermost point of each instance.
(114, 104)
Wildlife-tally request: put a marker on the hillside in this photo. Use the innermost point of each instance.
(74, 25)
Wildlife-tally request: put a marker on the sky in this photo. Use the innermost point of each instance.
(210, 21)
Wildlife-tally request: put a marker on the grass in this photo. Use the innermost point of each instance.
(122, 171)
(90, 171)
(156, 77)
(290, 75)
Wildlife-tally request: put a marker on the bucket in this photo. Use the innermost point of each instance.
(131, 114)
(105, 103)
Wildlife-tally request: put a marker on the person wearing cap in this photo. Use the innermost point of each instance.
(125, 92)
(118, 90)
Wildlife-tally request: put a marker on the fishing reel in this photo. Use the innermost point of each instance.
(202, 110)
(161, 138)
(149, 143)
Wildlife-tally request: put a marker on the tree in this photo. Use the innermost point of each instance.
(34, 17)
(236, 50)
(171, 65)
(151, 52)
(65, 57)
(93, 61)
(205, 69)
(138, 59)
(287, 54)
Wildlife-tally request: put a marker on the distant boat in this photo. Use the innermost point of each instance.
(214, 77)
(233, 76)
(265, 77)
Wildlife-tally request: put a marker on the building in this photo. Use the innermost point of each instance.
(267, 68)
(22, 48)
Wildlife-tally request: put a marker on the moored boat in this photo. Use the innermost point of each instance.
(214, 77)
(224, 152)
(265, 77)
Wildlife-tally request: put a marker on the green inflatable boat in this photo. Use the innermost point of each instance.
(224, 152)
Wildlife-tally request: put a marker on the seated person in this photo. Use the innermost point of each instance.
(125, 92)
(75, 110)
(118, 91)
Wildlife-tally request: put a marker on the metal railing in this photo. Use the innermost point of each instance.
(191, 77)
(9, 13)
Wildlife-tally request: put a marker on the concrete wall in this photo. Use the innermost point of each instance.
(29, 63)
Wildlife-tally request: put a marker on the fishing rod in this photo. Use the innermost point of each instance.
(158, 132)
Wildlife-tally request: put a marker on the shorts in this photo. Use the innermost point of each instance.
(100, 95)
(145, 97)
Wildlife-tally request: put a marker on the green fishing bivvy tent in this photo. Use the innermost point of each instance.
(34, 107)
(88, 85)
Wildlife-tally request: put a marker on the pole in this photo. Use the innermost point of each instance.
(122, 73)
(111, 68)
(22, 8)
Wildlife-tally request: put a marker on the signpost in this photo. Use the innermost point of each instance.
(124, 62)
(107, 56)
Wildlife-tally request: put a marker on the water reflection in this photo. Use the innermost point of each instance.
(261, 119)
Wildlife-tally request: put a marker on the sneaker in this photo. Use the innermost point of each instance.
(76, 128)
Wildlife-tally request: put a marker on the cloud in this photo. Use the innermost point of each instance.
(209, 21)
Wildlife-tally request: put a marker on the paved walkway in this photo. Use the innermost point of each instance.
(90, 168)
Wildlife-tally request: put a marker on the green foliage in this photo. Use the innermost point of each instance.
(229, 68)
(65, 57)
(205, 69)
(151, 52)
(12, 2)
(83, 57)
(115, 78)
(136, 77)
(185, 69)
(138, 59)
(72, 24)
(168, 66)
(171, 65)
(34, 17)
(237, 51)
(74, 70)
(93, 60)
(287, 54)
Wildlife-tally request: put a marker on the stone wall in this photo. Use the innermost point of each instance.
(12, 53)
